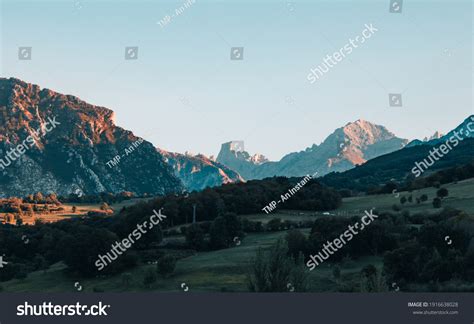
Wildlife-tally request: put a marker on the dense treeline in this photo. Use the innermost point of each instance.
(240, 198)
(106, 197)
(444, 176)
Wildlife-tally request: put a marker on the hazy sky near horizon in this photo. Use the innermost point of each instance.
(184, 93)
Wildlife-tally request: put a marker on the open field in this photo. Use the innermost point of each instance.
(461, 196)
(67, 213)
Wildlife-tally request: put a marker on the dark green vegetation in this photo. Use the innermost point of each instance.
(372, 176)
(240, 198)
(415, 248)
(77, 243)
(106, 197)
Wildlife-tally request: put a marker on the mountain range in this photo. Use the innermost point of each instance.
(86, 153)
(346, 147)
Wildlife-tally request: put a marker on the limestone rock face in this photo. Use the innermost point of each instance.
(73, 156)
(199, 172)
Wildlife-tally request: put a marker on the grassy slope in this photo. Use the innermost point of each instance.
(207, 271)
(461, 196)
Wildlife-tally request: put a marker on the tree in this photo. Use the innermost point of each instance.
(296, 242)
(38, 198)
(21, 272)
(442, 193)
(233, 225)
(224, 229)
(336, 273)
(437, 202)
(219, 237)
(153, 236)
(166, 265)
(372, 280)
(104, 206)
(274, 224)
(195, 237)
(19, 220)
(40, 263)
(369, 270)
(8, 218)
(74, 209)
(396, 207)
(424, 197)
(275, 271)
(52, 199)
(171, 209)
(149, 278)
(81, 247)
(403, 263)
(127, 279)
(29, 210)
(220, 207)
(403, 200)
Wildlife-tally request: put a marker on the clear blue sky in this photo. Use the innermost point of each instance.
(78, 48)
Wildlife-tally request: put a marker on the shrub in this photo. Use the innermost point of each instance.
(296, 242)
(224, 229)
(166, 265)
(442, 193)
(195, 237)
(219, 236)
(274, 271)
(205, 226)
(149, 278)
(274, 224)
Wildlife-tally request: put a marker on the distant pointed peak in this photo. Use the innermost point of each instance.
(436, 135)
(359, 122)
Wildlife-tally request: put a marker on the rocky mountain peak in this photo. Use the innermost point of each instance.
(350, 145)
(365, 133)
(436, 135)
(24, 107)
